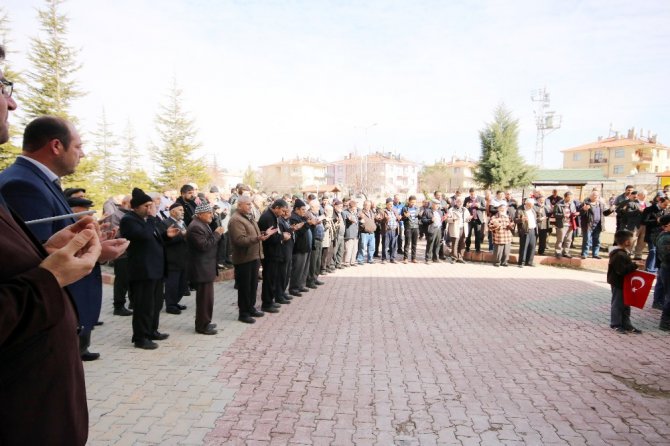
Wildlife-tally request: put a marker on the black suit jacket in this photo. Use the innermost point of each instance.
(272, 247)
(176, 248)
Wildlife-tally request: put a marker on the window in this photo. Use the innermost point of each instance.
(577, 156)
(598, 156)
(457, 170)
(618, 169)
(619, 153)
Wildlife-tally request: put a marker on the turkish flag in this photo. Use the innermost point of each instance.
(636, 286)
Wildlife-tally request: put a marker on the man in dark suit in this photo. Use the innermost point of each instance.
(203, 244)
(476, 206)
(146, 268)
(31, 187)
(38, 321)
(274, 257)
(176, 260)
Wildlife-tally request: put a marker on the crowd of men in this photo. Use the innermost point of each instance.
(165, 247)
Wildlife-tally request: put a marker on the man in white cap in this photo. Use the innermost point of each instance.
(526, 220)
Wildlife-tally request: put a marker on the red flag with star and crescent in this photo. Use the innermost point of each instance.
(636, 286)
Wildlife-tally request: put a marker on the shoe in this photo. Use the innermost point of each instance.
(211, 326)
(247, 319)
(460, 261)
(582, 257)
(276, 305)
(257, 313)
(393, 261)
(520, 266)
(187, 293)
(353, 264)
(634, 330)
(619, 330)
(657, 306)
(318, 282)
(437, 261)
(304, 290)
(282, 301)
(158, 336)
(371, 262)
(269, 310)
(146, 344)
(404, 261)
(295, 293)
(88, 356)
(207, 331)
(664, 327)
(597, 257)
(323, 272)
(414, 261)
(504, 264)
(123, 311)
(383, 261)
(532, 265)
(99, 323)
(340, 266)
(312, 286)
(567, 256)
(496, 264)
(287, 297)
(173, 310)
(181, 307)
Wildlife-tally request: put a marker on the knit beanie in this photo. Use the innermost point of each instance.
(139, 198)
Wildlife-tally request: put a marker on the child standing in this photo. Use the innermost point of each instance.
(620, 264)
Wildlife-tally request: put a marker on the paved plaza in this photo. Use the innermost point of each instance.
(393, 355)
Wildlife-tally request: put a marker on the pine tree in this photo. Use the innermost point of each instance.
(176, 156)
(501, 165)
(11, 148)
(105, 146)
(132, 174)
(52, 87)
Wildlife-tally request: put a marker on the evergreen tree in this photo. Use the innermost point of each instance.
(52, 87)
(11, 148)
(132, 174)
(249, 177)
(501, 165)
(176, 156)
(105, 146)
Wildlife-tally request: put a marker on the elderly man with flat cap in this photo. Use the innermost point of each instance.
(202, 244)
(246, 240)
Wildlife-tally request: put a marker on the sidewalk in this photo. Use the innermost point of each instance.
(395, 354)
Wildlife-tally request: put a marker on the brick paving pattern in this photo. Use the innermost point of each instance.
(394, 355)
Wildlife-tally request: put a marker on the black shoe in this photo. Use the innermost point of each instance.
(207, 331)
(88, 356)
(619, 330)
(597, 257)
(276, 305)
(530, 264)
(247, 319)
(123, 311)
(99, 323)
(304, 290)
(173, 310)
(257, 313)
(504, 264)
(340, 267)
(460, 261)
(282, 301)
(318, 282)
(657, 306)
(567, 256)
(158, 336)
(181, 307)
(311, 286)
(582, 257)
(520, 266)
(634, 330)
(146, 344)
(287, 297)
(187, 293)
(211, 326)
(269, 310)
(664, 327)
(295, 293)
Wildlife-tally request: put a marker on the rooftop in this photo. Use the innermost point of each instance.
(607, 143)
(570, 177)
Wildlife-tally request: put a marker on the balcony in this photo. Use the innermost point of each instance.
(644, 158)
(598, 161)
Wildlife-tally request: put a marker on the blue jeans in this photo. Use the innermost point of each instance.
(366, 243)
(650, 264)
(390, 245)
(662, 277)
(591, 240)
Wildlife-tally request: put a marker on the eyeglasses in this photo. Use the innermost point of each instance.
(7, 87)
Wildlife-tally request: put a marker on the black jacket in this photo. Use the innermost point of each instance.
(176, 248)
(302, 238)
(620, 264)
(145, 252)
(272, 247)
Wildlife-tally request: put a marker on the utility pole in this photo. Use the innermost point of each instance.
(546, 122)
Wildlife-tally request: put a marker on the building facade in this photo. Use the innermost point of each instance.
(293, 176)
(619, 156)
(375, 175)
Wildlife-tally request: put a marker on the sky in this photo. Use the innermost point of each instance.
(271, 80)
